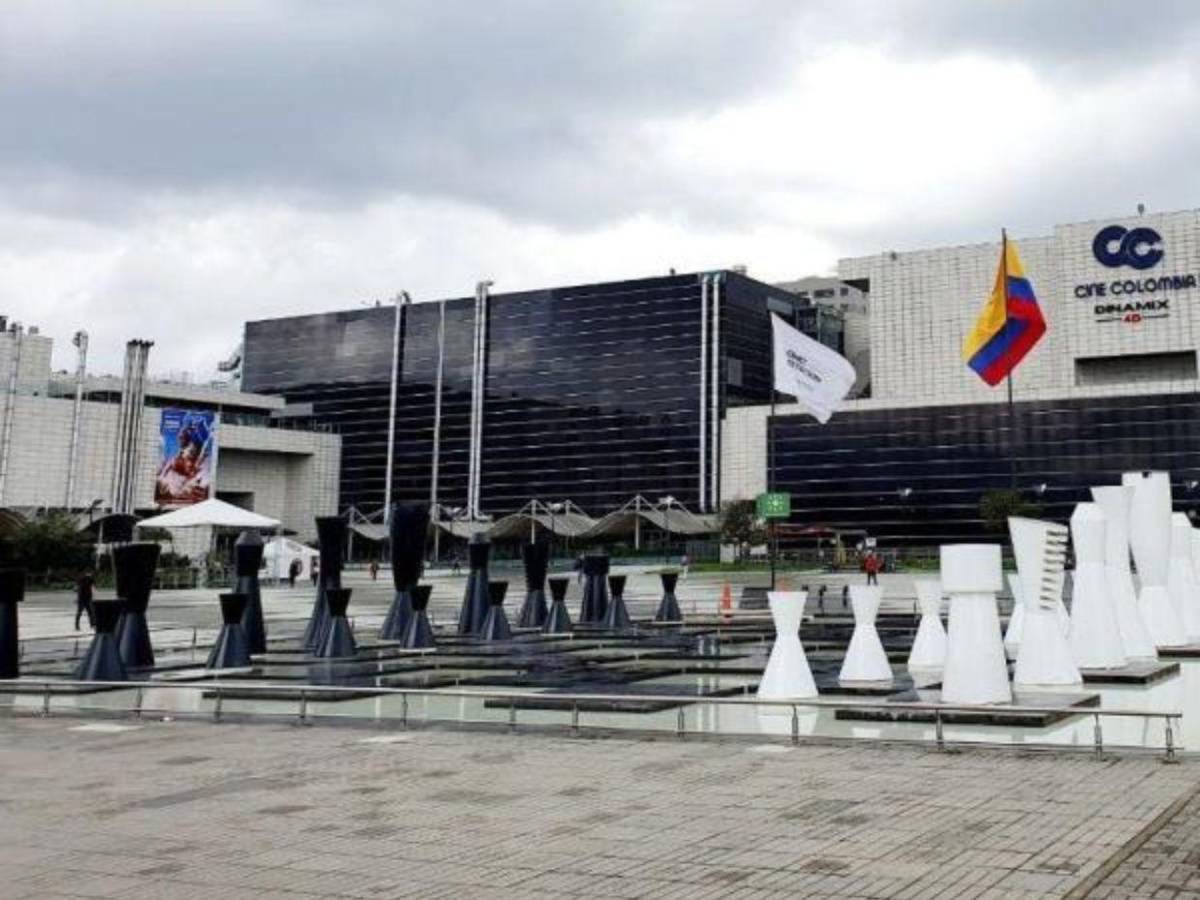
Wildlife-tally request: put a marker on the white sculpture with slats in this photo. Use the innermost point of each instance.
(1095, 634)
(976, 671)
(1150, 539)
(1044, 658)
(1181, 577)
(1116, 501)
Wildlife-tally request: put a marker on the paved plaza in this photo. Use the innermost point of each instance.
(185, 809)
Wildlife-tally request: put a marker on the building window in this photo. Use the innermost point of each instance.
(1135, 368)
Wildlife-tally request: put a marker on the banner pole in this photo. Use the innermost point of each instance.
(1012, 412)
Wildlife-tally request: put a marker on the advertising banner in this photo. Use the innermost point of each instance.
(188, 457)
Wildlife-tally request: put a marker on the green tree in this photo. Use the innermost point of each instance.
(741, 526)
(996, 506)
(50, 544)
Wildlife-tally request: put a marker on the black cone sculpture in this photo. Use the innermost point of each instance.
(533, 610)
(475, 598)
(135, 565)
(495, 624)
(232, 649)
(102, 662)
(331, 536)
(12, 592)
(668, 606)
(616, 618)
(419, 633)
(558, 620)
(247, 557)
(595, 591)
(408, 528)
(339, 638)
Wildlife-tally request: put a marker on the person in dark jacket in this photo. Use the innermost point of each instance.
(83, 598)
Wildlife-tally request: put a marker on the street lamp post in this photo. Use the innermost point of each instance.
(554, 508)
(401, 300)
(668, 502)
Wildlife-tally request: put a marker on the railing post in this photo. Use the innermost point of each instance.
(680, 724)
(404, 710)
(217, 706)
(138, 698)
(46, 703)
(939, 734)
(302, 719)
(512, 716)
(1170, 742)
(1098, 736)
(575, 716)
(795, 724)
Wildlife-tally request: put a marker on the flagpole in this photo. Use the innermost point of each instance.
(771, 457)
(1012, 415)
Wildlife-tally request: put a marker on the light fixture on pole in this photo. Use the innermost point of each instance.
(401, 300)
(667, 501)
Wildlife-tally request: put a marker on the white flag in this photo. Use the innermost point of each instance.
(816, 376)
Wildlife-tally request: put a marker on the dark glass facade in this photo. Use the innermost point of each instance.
(592, 392)
(916, 476)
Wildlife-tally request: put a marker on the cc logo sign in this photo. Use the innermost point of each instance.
(1139, 248)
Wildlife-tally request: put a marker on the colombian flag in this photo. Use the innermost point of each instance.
(1010, 324)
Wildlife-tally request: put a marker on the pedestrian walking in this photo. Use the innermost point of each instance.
(314, 571)
(871, 566)
(294, 570)
(373, 568)
(83, 598)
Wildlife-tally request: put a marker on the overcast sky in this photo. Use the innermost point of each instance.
(169, 170)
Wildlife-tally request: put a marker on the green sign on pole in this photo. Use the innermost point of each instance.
(774, 505)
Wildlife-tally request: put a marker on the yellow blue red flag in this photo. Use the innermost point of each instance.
(1010, 324)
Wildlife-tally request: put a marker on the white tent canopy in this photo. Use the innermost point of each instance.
(212, 513)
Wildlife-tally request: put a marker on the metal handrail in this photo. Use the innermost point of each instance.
(307, 693)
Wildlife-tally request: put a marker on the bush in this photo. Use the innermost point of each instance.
(51, 545)
(741, 526)
(995, 507)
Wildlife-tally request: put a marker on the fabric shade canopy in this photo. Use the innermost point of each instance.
(212, 513)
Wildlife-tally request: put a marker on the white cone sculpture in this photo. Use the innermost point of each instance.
(1115, 500)
(1095, 634)
(928, 652)
(1012, 635)
(787, 675)
(1150, 538)
(1181, 578)
(1044, 659)
(865, 658)
(976, 671)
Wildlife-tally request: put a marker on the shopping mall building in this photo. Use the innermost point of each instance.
(660, 386)
(1111, 387)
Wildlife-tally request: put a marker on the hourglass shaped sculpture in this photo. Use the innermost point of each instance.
(1095, 634)
(495, 623)
(135, 565)
(1150, 539)
(1016, 619)
(418, 634)
(616, 617)
(475, 597)
(12, 592)
(787, 675)
(976, 671)
(339, 637)
(668, 606)
(536, 556)
(102, 662)
(408, 527)
(232, 647)
(1044, 656)
(865, 659)
(1181, 578)
(331, 536)
(1116, 500)
(558, 620)
(247, 557)
(594, 603)
(928, 652)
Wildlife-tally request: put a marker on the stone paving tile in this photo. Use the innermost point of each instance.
(272, 810)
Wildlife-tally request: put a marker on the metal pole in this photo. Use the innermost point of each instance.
(714, 440)
(771, 537)
(400, 300)
(80, 340)
(704, 280)
(1012, 414)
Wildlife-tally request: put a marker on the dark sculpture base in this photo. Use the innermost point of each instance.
(594, 604)
(398, 616)
(133, 641)
(232, 647)
(668, 606)
(534, 610)
(418, 634)
(248, 554)
(102, 662)
(318, 623)
(12, 592)
(558, 619)
(339, 641)
(475, 597)
(495, 624)
(616, 617)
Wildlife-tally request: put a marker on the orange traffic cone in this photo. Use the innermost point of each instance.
(726, 601)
